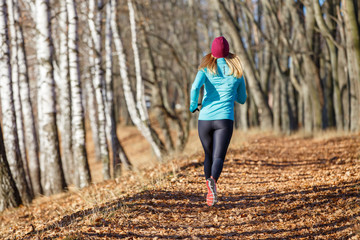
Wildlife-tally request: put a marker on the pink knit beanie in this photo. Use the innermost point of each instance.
(220, 47)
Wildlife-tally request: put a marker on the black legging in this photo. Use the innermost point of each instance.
(215, 137)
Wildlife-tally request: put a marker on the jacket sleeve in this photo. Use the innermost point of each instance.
(241, 92)
(195, 89)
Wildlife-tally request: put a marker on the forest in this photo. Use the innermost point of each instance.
(69, 68)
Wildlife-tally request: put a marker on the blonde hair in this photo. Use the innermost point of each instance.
(232, 60)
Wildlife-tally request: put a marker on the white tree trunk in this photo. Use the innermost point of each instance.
(92, 111)
(79, 148)
(95, 29)
(110, 122)
(65, 99)
(91, 101)
(108, 71)
(109, 68)
(8, 111)
(129, 97)
(31, 141)
(31, 6)
(52, 173)
(140, 94)
(119, 155)
(16, 88)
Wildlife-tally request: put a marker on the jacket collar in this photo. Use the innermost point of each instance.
(220, 60)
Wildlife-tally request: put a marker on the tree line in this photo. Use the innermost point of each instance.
(127, 62)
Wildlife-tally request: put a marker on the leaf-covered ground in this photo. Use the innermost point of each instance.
(271, 188)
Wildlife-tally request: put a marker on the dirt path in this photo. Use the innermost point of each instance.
(270, 188)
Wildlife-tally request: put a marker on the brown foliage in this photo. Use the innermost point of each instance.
(271, 187)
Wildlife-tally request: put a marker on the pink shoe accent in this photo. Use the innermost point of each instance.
(211, 197)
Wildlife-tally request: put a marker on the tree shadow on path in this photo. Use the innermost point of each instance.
(175, 207)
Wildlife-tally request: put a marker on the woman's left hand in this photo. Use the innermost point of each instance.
(194, 107)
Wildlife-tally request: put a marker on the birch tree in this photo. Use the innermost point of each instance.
(140, 94)
(92, 108)
(161, 109)
(8, 111)
(15, 83)
(157, 97)
(31, 141)
(129, 97)
(95, 31)
(9, 195)
(168, 53)
(92, 112)
(119, 155)
(65, 98)
(16, 55)
(52, 176)
(78, 130)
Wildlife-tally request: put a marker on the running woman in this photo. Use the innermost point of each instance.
(222, 74)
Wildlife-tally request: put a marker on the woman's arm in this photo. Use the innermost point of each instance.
(241, 92)
(195, 89)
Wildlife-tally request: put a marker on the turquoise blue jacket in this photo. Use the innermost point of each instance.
(220, 93)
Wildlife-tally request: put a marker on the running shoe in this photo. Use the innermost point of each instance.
(211, 198)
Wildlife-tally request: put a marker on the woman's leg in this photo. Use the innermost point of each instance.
(223, 130)
(206, 137)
